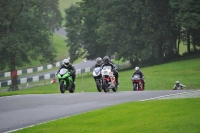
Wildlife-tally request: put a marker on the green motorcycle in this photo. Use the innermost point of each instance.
(65, 80)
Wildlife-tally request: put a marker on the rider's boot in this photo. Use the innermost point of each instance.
(74, 84)
(117, 82)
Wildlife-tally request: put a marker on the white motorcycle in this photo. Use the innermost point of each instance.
(108, 79)
(98, 78)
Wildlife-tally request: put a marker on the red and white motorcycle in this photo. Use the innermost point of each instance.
(108, 78)
(137, 83)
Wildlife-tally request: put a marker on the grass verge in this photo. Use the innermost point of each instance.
(155, 116)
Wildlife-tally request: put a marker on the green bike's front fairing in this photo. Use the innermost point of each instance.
(63, 74)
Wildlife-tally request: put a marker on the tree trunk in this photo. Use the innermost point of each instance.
(13, 85)
(194, 38)
(134, 62)
(179, 38)
(188, 41)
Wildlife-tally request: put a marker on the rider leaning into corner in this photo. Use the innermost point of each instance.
(68, 66)
(99, 63)
(178, 85)
(139, 72)
(107, 62)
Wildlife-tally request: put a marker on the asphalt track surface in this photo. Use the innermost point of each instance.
(22, 111)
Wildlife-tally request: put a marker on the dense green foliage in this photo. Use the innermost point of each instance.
(135, 30)
(25, 31)
(26, 28)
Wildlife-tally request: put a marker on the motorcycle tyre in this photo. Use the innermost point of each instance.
(72, 88)
(105, 89)
(114, 89)
(134, 87)
(62, 88)
(99, 87)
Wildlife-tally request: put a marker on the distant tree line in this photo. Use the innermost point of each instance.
(26, 28)
(136, 30)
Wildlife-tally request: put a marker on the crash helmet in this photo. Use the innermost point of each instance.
(66, 62)
(99, 60)
(177, 83)
(106, 60)
(137, 69)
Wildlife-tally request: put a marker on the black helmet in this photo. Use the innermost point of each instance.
(106, 60)
(99, 60)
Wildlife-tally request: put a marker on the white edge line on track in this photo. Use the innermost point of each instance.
(169, 95)
(92, 110)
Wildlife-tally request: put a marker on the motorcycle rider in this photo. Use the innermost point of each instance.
(107, 62)
(177, 85)
(140, 73)
(99, 63)
(68, 66)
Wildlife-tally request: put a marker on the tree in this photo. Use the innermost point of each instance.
(187, 18)
(73, 28)
(26, 27)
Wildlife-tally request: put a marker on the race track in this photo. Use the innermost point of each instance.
(26, 110)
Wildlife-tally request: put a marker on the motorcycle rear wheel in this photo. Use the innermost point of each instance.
(72, 90)
(71, 86)
(115, 88)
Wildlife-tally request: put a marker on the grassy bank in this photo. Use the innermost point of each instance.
(155, 116)
(159, 77)
(64, 4)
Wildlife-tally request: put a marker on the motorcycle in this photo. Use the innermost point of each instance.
(65, 80)
(108, 79)
(98, 78)
(137, 83)
(178, 88)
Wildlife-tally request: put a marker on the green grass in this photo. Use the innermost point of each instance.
(155, 116)
(61, 47)
(159, 77)
(64, 4)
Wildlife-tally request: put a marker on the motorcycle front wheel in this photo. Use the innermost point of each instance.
(62, 87)
(134, 87)
(99, 87)
(104, 86)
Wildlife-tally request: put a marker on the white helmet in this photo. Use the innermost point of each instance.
(66, 62)
(177, 82)
(137, 69)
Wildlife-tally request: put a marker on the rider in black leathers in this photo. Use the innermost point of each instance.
(68, 66)
(107, 62)
(139, 72)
